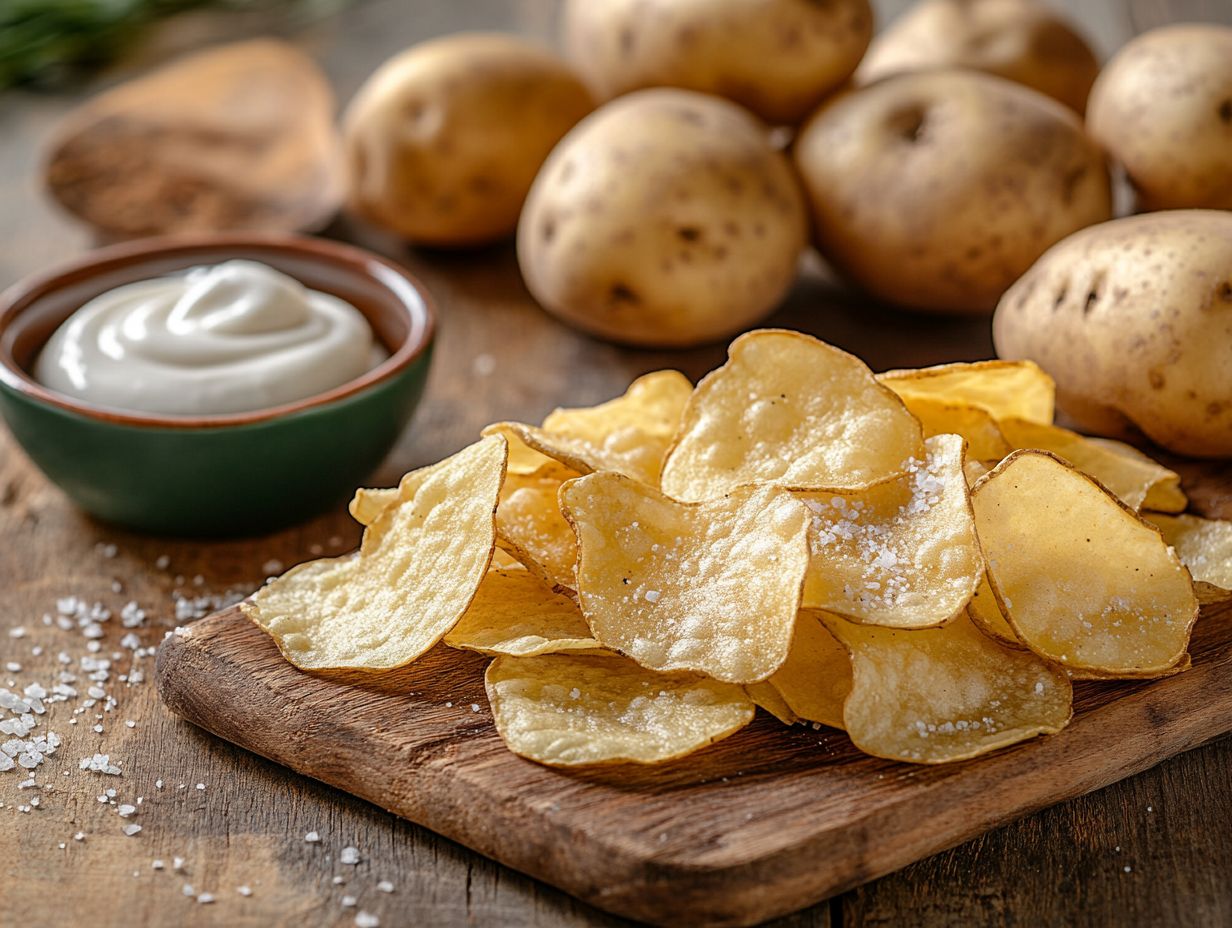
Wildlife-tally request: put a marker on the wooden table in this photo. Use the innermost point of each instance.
(1151, 850)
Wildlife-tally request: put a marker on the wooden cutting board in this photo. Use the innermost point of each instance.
(761, 824)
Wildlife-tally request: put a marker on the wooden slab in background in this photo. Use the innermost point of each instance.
(766, 822)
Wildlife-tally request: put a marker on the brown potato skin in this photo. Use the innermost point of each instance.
(936, 190)
(443, 140)
(1163, 108)
(778, 58)
(1025, 41)
(664, 218)
(1133, 318)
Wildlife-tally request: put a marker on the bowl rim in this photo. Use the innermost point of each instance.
(410, 291)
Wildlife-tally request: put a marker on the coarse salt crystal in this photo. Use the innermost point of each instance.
(385, 886)
(366, 920)
(312, 837)
(205, 898)
(244, 890)
(131, 830)
(348, 901)
(349, 855)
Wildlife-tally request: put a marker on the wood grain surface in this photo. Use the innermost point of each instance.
(766, 822)
(1065, 865)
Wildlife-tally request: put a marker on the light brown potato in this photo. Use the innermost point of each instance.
(1025, 41)
(443, 141)
(936, 190)
(1163, 108)
(779, 58)
(664, 218)
(1133, 318)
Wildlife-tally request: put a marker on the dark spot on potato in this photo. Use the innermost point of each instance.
(623, 293)
(566, 171)
(907, 122)
(1155, 377)
(1092, 299)
(1061, 295)
(627, 38)
(690, 116)
(547, 231)
(689, 233)
(1225, 291)
(1214, 409)
(1225, 111)
(1070, 182)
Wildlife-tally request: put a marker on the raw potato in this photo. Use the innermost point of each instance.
(779, 58)
(1133, 318)
(444, 140)
(665, 218)
(935, 191)
(1025, 41)
(1163, 108)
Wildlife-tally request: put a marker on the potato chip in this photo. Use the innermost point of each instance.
(986, 613)
(514, 612)
(816, 677)
(1082, 580)
(941, 417)
(1002, 388)
(568, 710)
(530, 526)
(370, 502)
(1185, 663)
(903, 553)
(1131, 477)
(1205, 547)
(712, 587)
(629, 434)
(418, 567)
(974, 470)
(789, 410)
(766, 697)
(935, 695)
(523, 459)
(1162, 496)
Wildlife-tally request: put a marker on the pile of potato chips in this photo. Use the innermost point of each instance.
(920, 558)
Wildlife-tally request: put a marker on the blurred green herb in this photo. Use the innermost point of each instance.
(47, 42)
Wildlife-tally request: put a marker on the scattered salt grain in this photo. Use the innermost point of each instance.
(244, 890)
(125, 810)
(187, 890)
(366, 920)
(156, 865)
(271, 567)
(349, 855)
(177, 864)
(131, 830)
(1128, 869)
(385, 886)
(348, 901)
(205, 898)
(312, 837)
(474, 707)
(200, 786)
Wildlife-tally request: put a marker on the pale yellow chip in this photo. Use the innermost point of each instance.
(788, 410)
(1164, 495)
(766, 697)
(1082, 580)
(903, 553)
(369, 502)
(711, 587)
(629, 434)
(531, 527)
(1132, 477)
(416, 573)
(1205, 547)
(935, 695)
(986, 613)
(815, 679)
(974, 470)
(939, 417)
(516, 613)
(568, 710)
(1004, 389)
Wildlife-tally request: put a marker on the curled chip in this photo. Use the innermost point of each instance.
(711, 587)
(368, 503)
(789, 410)
(629, 434)
(568, 710)
(530, 526)
(515, 613)
(816, 677)
(943, 694)
(417, 570)
(1082, 580)
(1004, 389)
(1205, 547)
(903, 553)
(1163, 495)
(1133, 477)
(766, 697)
(986, 613)
(939, 417)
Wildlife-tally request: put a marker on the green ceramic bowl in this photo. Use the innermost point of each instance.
(216, 475)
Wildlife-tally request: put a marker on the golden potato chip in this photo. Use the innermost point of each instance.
(816, 677)
(789, 410)
(766, 697)
(974, 470)
(530, 526)
(1164, 495)
(370, 502)
(1082, 580)
(568, 710)
(1185, 663)
(1002, 388)
(941, 417)
(503, 559)
(986, 613)
(523, 459)
(1132, 477)
(1205, 547)
(903, 553)
(712, 587)
(629, 434)
(417, 570)
(934, 695)
(514, 612)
